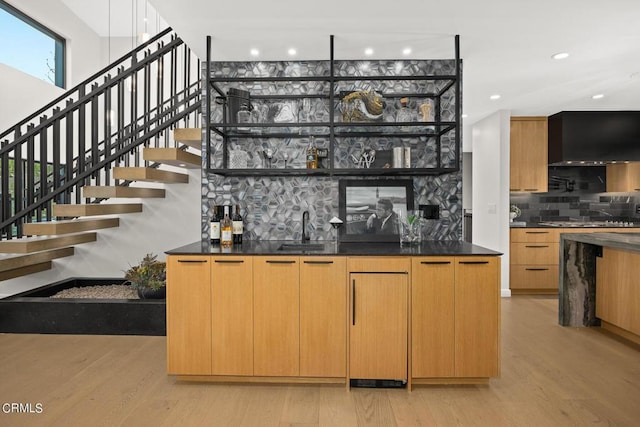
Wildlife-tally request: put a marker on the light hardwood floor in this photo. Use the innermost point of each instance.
(551, 376)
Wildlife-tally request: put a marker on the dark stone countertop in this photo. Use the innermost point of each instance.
(272, 247)
(627, 241)
(603, 225)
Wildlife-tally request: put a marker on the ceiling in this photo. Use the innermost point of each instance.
(506, 45)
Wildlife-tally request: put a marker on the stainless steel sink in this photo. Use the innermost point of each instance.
(301, 247)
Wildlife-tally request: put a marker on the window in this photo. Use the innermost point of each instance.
(33, 48)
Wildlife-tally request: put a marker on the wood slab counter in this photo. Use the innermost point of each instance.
(599, 282)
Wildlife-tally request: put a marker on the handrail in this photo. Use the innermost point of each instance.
(87, 81)
(98, 124)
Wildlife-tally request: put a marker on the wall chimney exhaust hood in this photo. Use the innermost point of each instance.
(587, 138)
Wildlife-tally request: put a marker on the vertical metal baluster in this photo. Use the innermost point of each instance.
(160, 89)
(81, 142)
(173, 84)
(18, 184)
(70, 167)
(133, 102)
(43, 169)
(95, 148)
(185, 83)
(31, 172)
(147, 97)
(107, 130)
(57, 179)
(5, 209)
(121, 126)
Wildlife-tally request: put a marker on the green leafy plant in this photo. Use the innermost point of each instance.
(149, 274)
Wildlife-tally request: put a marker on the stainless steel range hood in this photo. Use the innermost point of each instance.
(593, 137)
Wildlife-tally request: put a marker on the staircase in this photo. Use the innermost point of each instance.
(127, 121)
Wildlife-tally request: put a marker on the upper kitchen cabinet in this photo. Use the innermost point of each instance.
(623, 177)
(529, 155)
(334, 116)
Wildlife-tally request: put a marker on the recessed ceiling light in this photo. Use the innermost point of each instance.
(368, 51)
(598, 96)
(292, 52)
(494, 97)
(561, 55)
(255, 52)
(406, 51)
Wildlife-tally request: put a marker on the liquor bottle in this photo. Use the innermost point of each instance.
(226, 229)
(238, 227)
(312, 155)
(215, 227)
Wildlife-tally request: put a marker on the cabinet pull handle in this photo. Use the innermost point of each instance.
(536, 246)
(435, 262)
(353, 302)
(474, 262)
(192, 261)
(270, 261)
(536, 269)
(530, 189)
(536, 232)
(318, 262)
(514, 189)
(229, 261)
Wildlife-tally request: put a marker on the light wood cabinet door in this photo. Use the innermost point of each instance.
(188, 315)
(323, 317)
(617, 290)
(477, 320)
(623, 177)
(276, 320)
(432, 317)
(529, 158)
(232, 315)
(378, 331)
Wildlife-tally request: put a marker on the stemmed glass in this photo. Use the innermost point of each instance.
(336, 223)
(268, 157)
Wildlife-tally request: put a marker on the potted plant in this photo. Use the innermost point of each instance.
(149, 277)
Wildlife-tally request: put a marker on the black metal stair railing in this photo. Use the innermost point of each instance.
(99, 124)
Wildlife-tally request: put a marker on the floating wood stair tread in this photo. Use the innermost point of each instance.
(69, 226)
(23, 271)
(189, 136)
(28, 245)
(173, 157)
(96, 209)
(149, 175)
(107, 192)
(13, 262)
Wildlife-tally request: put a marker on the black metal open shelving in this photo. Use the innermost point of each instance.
(335, 130)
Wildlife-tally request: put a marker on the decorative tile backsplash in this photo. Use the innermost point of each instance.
(577, 194)
(272, 207)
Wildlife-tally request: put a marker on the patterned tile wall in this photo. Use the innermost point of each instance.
(272, 206)
(577, 194)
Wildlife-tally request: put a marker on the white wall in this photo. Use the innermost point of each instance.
(164, 224)
(490, 175)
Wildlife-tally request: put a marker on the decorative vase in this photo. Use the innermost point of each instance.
(411, 228)
(148, 293)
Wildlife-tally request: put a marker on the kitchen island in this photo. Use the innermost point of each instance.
(355, 314)
(599, 281)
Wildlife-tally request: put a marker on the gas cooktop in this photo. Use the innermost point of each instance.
(587, 224)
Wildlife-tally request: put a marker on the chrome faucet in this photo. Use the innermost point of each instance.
(305, 218)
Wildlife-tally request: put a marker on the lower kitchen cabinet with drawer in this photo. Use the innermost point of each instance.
(535, 254)
(333, 319)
